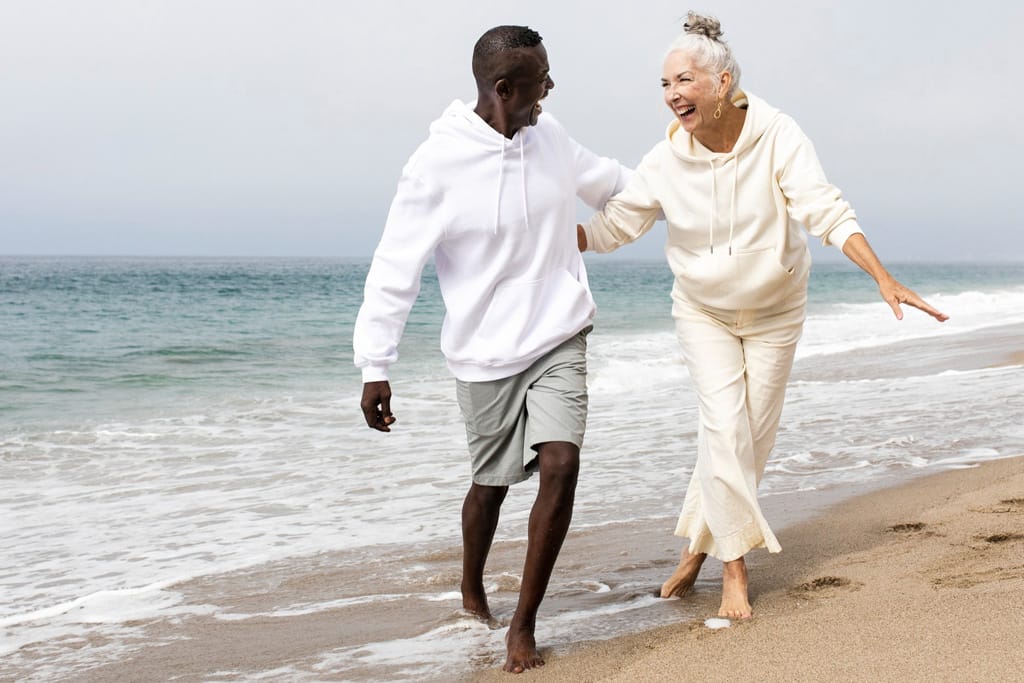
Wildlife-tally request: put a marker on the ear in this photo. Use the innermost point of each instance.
(503, 88)
(724, 83)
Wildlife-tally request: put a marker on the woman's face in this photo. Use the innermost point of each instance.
(690, 92)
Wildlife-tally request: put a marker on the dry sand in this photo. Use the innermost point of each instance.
(921, 582)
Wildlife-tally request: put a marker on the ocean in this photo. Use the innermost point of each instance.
(181, 443)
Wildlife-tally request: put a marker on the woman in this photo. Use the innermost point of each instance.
(735, 179)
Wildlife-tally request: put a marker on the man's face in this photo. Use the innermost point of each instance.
(529, 83)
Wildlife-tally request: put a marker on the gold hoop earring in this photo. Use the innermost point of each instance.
(718, 111)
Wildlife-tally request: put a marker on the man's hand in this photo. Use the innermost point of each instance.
(376, 405)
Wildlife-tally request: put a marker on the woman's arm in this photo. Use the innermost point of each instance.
(857, 249)
(820, 206)
(624, 218)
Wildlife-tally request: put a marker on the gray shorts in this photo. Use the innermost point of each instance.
(506, 419)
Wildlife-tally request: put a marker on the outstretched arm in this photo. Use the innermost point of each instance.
(857, 249)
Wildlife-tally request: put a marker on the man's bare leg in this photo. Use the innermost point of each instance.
(479, 520)
(685, 575)
(549, 522)
(735, 603)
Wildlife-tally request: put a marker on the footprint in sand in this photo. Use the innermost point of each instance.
(1005, 506)
(905, 527)
(1002, 538)
(824, 586)
(971, 579)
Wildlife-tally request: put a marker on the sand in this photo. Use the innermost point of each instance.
(920, 582)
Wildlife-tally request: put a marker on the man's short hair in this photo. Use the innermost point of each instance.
(488, 53)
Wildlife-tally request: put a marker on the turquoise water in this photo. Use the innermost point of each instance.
(93, 336)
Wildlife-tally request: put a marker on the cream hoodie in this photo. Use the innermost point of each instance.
(498, 217)
(734, 237)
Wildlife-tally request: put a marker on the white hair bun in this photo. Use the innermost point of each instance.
(700, 25)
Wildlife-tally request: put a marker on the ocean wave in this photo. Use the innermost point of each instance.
(845, 327)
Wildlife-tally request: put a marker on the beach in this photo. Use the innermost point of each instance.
(189, 491)
(921, 582)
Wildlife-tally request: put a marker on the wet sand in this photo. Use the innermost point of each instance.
(920, 582)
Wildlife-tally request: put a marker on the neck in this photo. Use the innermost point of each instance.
(723, 135)
(494, 117)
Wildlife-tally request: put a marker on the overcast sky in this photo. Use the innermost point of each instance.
(279, 128)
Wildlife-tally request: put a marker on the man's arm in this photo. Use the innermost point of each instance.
(392, 284)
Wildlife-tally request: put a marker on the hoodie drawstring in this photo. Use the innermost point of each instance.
(714, 203)
(501, 178)
(732, 204)
(522, 170)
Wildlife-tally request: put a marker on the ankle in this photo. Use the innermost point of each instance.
(735, 567)
(523, 624)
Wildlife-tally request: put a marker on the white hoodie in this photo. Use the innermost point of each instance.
(734, 237)
(498, 216)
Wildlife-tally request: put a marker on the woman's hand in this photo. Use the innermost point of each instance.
(894, 293)
(581, 238)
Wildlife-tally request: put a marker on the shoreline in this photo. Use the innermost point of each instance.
(391, 611)
(830, 606)
(923, 580)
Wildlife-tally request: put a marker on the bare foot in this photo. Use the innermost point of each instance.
(522, 650)
(684, 576)
(735, 604)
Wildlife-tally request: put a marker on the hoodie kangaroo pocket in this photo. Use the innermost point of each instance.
(525, 319)
(742, 280)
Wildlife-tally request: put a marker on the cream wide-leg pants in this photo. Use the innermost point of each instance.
(739, 362)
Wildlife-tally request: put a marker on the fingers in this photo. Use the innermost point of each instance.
(894, 304)
(375, 418)
(922, 305)
(385, 410)
(902, 295)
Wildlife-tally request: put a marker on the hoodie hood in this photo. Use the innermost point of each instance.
(464, 126)
(459, 118)
(760, 115)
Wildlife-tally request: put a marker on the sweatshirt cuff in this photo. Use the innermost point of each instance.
(837, 238)
(375, 373)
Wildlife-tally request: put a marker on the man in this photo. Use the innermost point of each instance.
(490, 195)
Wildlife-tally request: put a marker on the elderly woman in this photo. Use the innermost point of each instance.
(735, 179)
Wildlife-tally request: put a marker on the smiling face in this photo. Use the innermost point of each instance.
(528, 83)
(691, 92)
